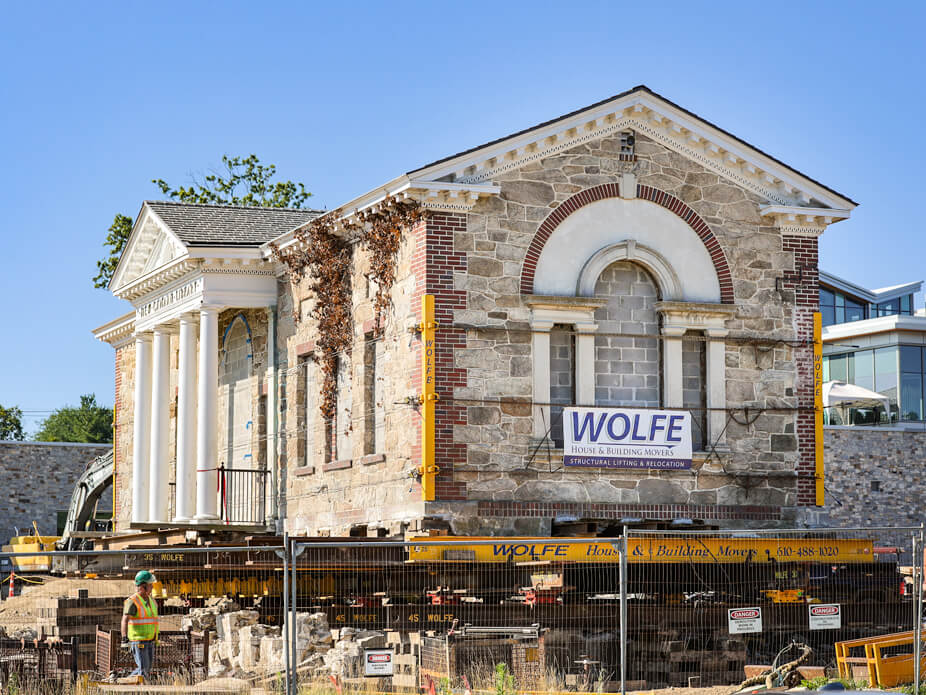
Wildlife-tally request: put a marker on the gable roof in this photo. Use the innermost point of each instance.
(639, 88)
(197, 224)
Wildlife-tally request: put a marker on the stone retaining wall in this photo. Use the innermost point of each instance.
(37, 479)
(875, 477)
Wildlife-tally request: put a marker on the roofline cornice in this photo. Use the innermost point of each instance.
(438, 196)
(118, 331)
(872, 296)
(644, 111)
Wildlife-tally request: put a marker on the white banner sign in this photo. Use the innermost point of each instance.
(626, 438)
(744, 620)
(825, 616)
(377, 662)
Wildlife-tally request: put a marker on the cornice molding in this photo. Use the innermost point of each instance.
(157, 279)
(117, 332)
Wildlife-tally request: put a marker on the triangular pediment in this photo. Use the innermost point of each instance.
(643, 111)
(151, 246)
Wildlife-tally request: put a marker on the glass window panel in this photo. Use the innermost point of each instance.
(911, 359)
(886, 377)
(840, 314)
(826, 297)
(911, 396)
(864, 365)
(906, 302)
(829, 315)
(838, 368)
(854, 311)
(840, 300)
(826, 369)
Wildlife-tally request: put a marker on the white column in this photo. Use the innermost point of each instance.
(541, 363)
(715, 388)
(158, 464)
(141, 434)
(185, 505)
(206, 415)
(585, 362)
(672, 366)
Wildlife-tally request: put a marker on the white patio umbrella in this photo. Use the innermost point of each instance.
(842, 394)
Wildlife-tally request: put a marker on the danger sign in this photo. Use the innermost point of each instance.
(377, 662)
(825, 616)
(744, 620)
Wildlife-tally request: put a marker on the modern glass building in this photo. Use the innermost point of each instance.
(874, 339)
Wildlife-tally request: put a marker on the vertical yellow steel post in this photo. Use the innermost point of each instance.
(429, 396)
(818, 406)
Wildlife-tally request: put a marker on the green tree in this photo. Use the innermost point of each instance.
(119, 232)
(244, 181)
(11, 423)
(90, 424)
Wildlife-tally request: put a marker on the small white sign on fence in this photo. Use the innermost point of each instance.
(744, 620)
(825, 616)
(377, 662)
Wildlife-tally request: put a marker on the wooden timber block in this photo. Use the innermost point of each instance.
(753, 670)
(808, 672)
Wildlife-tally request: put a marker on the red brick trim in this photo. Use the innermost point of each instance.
(611, 190)
(338, 465)
(619, 511)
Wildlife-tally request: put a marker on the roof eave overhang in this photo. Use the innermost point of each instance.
(433, 195)
(118, 331)
(872, 296)
(882, 324)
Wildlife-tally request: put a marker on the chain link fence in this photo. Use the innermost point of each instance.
(649, 609)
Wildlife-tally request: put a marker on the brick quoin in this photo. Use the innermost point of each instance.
(612, 190)
(804, 282)
(434, 263)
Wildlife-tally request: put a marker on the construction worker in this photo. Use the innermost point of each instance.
(140, 623)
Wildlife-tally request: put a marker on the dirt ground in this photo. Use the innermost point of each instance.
(20, 611)
(712, 690)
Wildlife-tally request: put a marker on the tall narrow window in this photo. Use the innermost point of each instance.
(626, 347)
(562, 378)
(373, 406)
(311, 412)
(694, 395)
(343, 418)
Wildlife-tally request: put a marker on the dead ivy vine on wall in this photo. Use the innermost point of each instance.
(323, 253)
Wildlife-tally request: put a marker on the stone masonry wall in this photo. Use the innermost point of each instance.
(750, 482)
(332, 491)
(37, 479)
(875, 477)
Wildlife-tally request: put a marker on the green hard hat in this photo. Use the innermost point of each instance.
(144, 577)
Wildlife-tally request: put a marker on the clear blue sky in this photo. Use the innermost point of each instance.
(98, 98)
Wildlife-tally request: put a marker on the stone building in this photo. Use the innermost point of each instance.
(628, 254)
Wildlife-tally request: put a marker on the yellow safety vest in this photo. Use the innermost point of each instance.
(143, 626)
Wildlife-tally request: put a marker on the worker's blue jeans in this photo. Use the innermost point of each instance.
(143, 653)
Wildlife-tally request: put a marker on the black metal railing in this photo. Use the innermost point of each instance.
(242, 496)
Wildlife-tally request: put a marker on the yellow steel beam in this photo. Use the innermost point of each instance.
(428, 397)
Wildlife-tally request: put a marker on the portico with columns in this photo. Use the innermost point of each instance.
(179, 284)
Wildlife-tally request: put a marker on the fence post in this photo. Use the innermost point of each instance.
(293, 660)
(623, 583)
(918, 607)
(286, 616)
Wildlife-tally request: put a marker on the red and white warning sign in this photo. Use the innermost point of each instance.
(825, 616)
(377, 662)
(744, 620)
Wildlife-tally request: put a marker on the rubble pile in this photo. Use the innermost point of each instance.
(205, 618)
(243, 647)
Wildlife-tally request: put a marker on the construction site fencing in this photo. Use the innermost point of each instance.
(649, 609)
(220, 609)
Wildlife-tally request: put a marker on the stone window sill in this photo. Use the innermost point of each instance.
(338, 465)
(303, 470)
(371, 459)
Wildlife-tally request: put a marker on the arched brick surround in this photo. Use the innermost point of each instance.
(612, 190)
